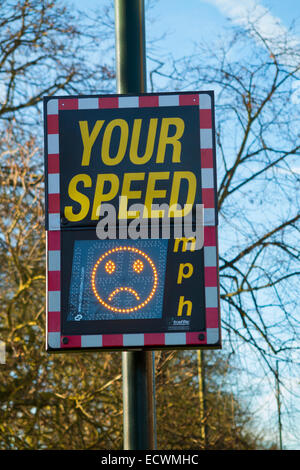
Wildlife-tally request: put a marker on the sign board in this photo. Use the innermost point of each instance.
(130, 186)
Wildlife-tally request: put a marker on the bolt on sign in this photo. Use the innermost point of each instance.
(131, 222)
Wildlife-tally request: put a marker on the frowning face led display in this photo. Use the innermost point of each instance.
(115, 280)
(108, 279)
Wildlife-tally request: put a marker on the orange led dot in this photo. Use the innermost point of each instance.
(110, 267)
(138, 266)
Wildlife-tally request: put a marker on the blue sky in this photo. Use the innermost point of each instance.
(186, 22)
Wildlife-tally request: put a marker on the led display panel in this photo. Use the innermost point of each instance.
(116, 281)
(112, 286)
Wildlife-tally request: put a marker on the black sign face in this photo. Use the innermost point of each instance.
(121, 171)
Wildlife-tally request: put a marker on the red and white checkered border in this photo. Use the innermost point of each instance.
(122, 341)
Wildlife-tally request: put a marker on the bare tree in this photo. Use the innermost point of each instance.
(46, 48)
(255, 80)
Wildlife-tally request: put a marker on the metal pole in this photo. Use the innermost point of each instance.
(138, 401)
(130, 46)
(138, 375)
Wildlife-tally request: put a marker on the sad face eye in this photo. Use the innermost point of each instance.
(138, 266)
(110, 267)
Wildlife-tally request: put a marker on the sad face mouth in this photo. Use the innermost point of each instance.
(137, 290)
